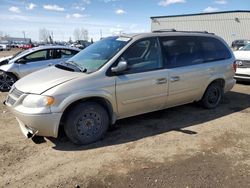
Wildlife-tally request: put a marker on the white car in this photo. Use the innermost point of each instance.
(5, 45)
(243, 61)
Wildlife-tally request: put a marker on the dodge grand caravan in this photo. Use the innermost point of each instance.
(119, 77)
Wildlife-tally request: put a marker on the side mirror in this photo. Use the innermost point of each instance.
(21, 61)
(122, 66)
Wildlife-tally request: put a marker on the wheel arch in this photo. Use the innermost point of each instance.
(220, 81)
(106, 104)
(10, 73)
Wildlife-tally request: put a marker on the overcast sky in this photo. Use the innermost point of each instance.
(108, 16)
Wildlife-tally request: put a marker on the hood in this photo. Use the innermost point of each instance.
(45, 79)
(4, 60)
(242, 55)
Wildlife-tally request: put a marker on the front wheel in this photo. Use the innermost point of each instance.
(212, 96)
(6, 81)
(86, 123)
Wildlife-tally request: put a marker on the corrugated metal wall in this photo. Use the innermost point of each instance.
(230, 26)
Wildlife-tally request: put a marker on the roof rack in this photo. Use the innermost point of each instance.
(164, 30)
(174, 30)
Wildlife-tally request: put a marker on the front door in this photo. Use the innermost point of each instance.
(35, 61)
(143, 87)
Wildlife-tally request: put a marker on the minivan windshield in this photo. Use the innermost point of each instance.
(98, 54)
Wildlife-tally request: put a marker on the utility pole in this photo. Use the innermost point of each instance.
(24, 36)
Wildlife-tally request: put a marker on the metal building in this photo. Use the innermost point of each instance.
(230, 25)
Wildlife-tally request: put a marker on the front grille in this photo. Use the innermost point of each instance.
(244, 75)
(16, 93)
(245, 64)
(10, 100)
(13, 96)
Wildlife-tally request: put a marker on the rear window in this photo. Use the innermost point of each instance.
(214, 49)
(181, 51)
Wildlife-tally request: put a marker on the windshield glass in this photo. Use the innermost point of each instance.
(19, 53)
(246, 48)
(96, 55)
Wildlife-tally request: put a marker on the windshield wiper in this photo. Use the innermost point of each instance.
(76, 65)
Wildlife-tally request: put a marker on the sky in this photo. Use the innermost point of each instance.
(100, 17)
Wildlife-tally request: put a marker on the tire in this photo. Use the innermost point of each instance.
(6, 81)
(86, 123)
(212, 96)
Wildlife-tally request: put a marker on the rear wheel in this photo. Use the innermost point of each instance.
(86, 123)
(6, 81)
(212, 96)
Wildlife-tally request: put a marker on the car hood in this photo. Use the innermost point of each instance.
(242, 55)
(45, 79)
(4, 60)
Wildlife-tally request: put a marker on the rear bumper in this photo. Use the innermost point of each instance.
(229, 85)
(39, 124)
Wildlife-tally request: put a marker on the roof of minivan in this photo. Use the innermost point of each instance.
(167, 33)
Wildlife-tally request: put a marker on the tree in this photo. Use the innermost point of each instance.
(81, 34)
(45, 35)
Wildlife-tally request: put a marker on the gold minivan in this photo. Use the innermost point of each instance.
(119, 77)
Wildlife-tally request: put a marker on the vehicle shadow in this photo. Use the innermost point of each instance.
(173, 119)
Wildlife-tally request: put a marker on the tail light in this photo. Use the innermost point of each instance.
(234, 66)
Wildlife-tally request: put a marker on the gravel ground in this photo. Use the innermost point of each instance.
(185, 146)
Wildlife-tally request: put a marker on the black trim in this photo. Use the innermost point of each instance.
(200, 14)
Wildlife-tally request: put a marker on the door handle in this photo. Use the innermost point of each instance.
(174, 78)
(161, 81)
(50, 64)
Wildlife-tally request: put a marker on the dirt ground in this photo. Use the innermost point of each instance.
(185, 146)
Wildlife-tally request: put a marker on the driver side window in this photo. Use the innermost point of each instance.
(37, 56)
(143, 56)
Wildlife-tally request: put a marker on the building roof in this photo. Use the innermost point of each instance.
(200, 14)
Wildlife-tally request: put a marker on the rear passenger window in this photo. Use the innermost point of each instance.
(181, 51)
(213, 49)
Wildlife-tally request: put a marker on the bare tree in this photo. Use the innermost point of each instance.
(45, 35)
(81, 34)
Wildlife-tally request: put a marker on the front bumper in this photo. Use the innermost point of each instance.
(39, 124)
(240, 77)
(242, 74)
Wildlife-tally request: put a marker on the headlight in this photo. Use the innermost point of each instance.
(37, 101)
(239, 62)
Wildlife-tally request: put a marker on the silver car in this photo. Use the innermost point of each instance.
(25, 62)
(119, 77)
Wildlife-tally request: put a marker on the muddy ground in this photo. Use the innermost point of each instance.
(185, 146)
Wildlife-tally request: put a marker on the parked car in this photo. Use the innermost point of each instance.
(239, 43)
(119, 77)
(31, 60)
(1, 48)
(5, 45)
(27, 46)
(243, 61)
(81, 44)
